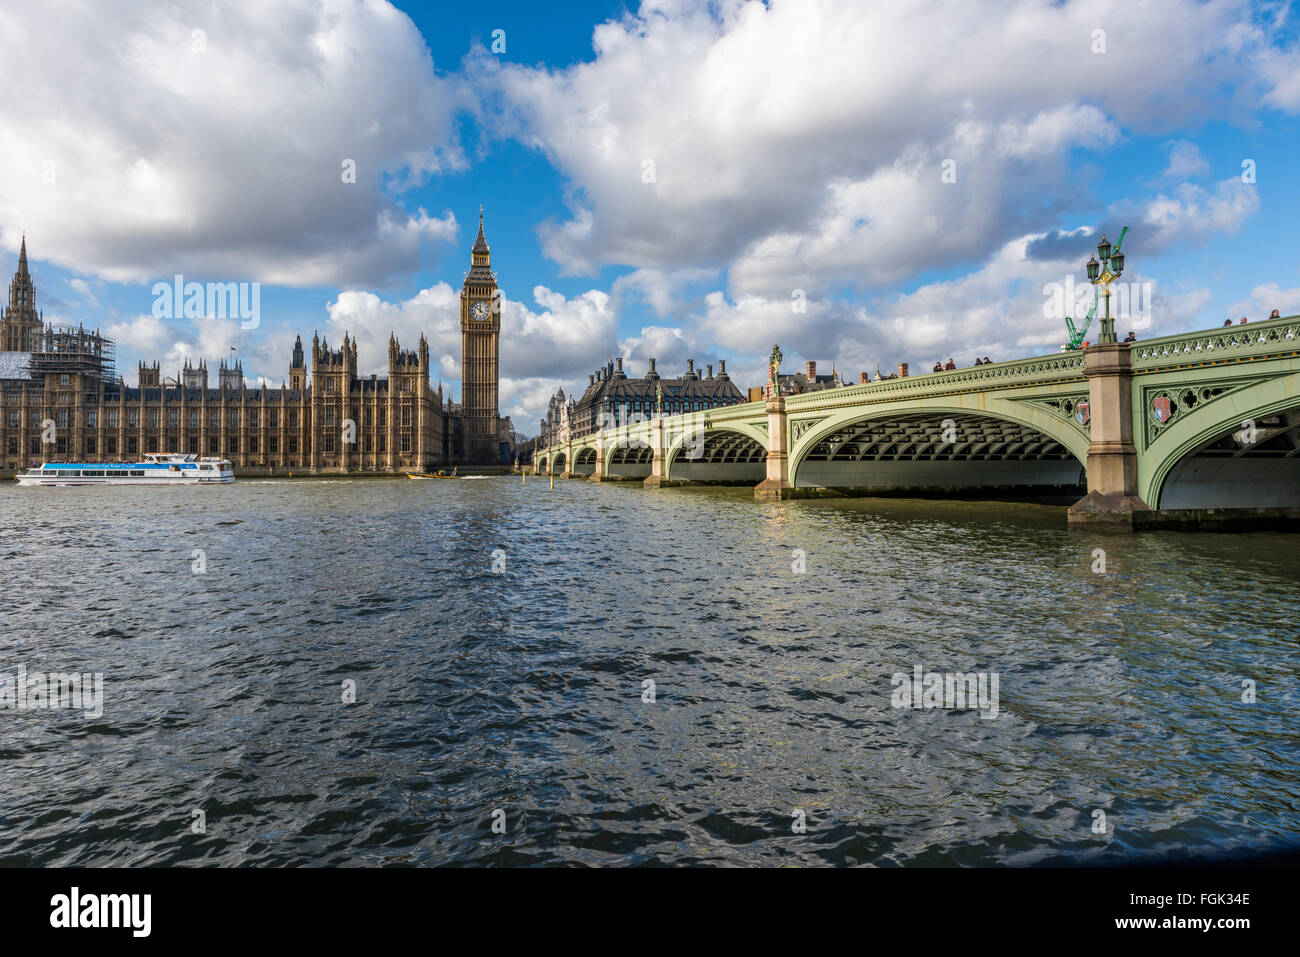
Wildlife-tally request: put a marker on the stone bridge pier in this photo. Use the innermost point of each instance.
(1113, 496)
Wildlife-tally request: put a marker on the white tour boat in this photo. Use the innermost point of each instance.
(158, 468)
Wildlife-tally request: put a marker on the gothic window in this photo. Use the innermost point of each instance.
(330, 415)
(90, 445)
(173, 418)
(133, 446)
(252, 418)
(252, 443)
(212, 445)
(293, 420)
(273, 417)
(13, 420)
(293, 444)
(153, 418)
(92, 419)
(327, 442)
(406, 441)
(132, 418)
(234, 418)
(62, 417)
(194, 420)
(273, 444)
(214, 420)
(110, 445)
(192, 445)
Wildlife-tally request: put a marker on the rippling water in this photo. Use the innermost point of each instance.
(523, 691)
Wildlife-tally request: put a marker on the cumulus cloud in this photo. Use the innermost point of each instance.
(806, 141)
(210, 139)
(1192, 215)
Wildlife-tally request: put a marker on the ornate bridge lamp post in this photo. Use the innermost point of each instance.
(774, 369)
(1103, 270)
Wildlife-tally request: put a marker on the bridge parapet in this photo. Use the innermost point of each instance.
(1253, 340)
(998, 375)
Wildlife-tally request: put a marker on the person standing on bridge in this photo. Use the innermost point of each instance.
(951, 364)
(938, 367)
(1274, 315)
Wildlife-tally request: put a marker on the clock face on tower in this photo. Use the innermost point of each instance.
(480, 310)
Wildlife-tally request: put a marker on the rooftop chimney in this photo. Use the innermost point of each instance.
(863, 377)
(710, 368)
(812, 370)
(902, 370)
(722, 368)
(618, 363)
(650, 373)
(591, 379)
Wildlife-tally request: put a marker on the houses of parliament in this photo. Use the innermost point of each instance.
(62, 399)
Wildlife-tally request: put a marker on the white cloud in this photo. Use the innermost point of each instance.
(1192, 215)
(1185, 161)
(805, 139)
(1264, 299)
(131, 156)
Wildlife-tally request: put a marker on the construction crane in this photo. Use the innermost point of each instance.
(1076, 335)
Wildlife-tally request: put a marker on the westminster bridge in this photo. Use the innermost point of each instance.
(1197, 428)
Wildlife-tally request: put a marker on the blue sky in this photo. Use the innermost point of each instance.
(798, 153)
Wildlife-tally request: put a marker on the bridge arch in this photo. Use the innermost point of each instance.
(943, 443)
(584, 461)
(735, 453)
(559, 463)
(542, 462)
(629, 457)
(1206, 459)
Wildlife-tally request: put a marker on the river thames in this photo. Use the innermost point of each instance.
(500, 638)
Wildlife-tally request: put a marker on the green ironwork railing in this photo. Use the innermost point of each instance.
(1267, 337)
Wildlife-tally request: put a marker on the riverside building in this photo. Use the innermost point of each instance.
(61, 399)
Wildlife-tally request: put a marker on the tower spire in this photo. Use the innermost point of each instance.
(22, 256)
(480, 244)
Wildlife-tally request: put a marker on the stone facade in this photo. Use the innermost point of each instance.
(61, 400)
(613, 398)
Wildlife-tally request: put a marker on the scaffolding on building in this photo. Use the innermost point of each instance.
(64, 349)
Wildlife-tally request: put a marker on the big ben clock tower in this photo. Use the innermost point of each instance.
(480, 335)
